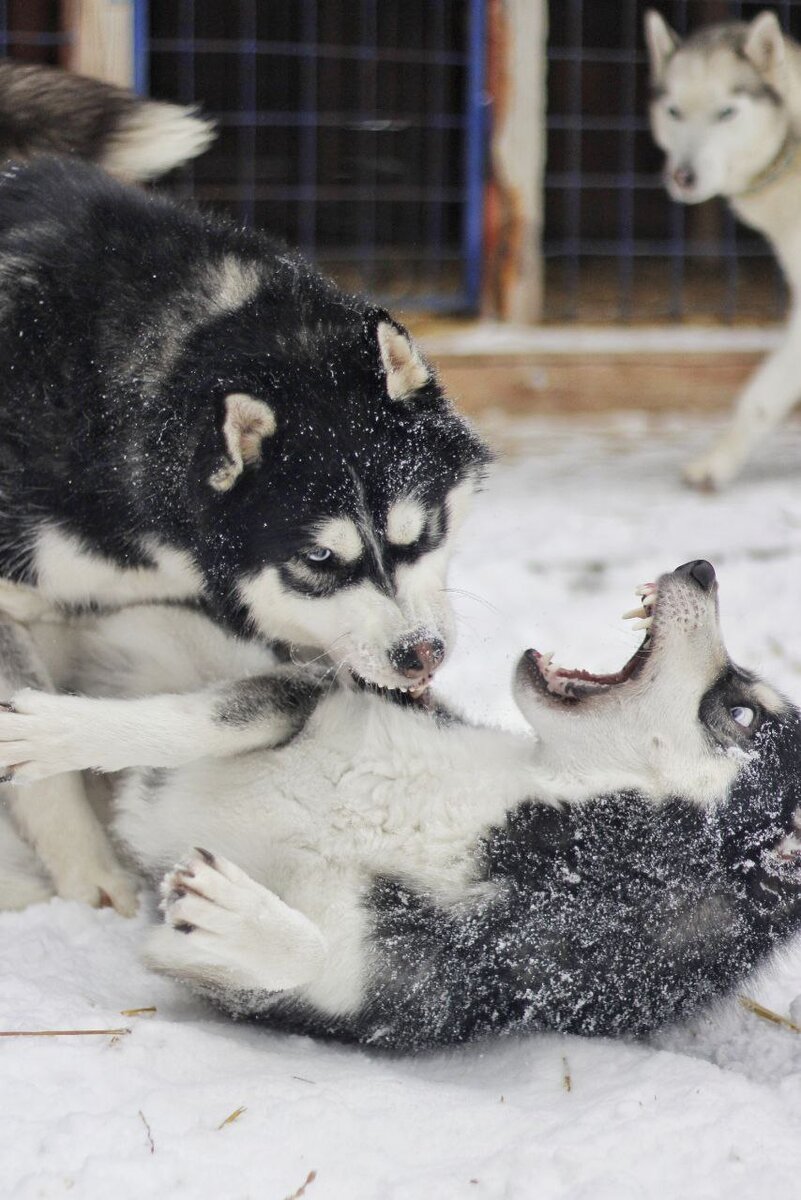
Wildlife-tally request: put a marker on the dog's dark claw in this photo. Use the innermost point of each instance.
(206, 855)
(183, 927)
(5, 706)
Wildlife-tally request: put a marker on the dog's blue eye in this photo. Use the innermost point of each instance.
(318, 555)
(743, 716)
(674, 112)
(726, 114)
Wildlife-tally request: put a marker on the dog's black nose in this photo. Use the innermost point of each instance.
(700, 570)
(417, 658)
(684, 177)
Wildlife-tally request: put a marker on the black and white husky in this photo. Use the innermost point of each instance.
(396, 877)
(47, 111)
(726, 110)
(190, 413)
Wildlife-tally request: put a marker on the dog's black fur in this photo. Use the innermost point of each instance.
(612, 917)
(116, 366)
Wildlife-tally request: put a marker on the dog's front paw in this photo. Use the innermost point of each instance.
(43, 735)
(710, 472)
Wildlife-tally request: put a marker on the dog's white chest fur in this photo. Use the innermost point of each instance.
(367, 790)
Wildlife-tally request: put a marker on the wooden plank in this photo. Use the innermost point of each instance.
(557, 384)
(102, 39)
(514, 210)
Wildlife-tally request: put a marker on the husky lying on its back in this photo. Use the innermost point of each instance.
(405, 880)
(190, 412)
(47, 111)
(726, 109)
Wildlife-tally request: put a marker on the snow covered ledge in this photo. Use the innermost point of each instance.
(579, 369)
(486, 338)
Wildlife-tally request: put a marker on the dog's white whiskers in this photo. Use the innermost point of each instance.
(493, 608)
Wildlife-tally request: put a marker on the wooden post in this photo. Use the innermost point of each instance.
(516, 78)
(102, 39)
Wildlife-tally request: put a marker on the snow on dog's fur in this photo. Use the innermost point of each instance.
(191, 413)
(726, 110)
(397, 877)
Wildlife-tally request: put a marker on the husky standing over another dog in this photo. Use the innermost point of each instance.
(191, 413)
(726, 109)
(405, 880)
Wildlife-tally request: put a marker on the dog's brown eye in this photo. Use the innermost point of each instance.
(742, 715)
(674, 112)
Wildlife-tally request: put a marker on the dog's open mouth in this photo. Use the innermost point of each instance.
(572, 684)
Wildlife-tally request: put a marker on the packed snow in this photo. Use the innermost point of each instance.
(575, 515)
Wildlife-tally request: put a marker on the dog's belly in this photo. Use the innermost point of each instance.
(319, 820)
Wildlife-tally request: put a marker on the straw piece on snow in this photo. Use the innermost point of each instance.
(234, 1116)
(310, 1178)
(137, 1012)
(767, 1014)
(64, 1033)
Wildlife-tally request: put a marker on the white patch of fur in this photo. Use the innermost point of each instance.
(22, 879)
(68, 573)
(406, 371)
(154, 138)
(406, 520)
(341, 537)
(458, 502)
(246, 424)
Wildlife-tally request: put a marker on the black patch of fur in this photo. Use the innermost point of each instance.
(613, 917)
(250, 700)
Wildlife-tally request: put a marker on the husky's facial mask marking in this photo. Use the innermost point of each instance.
(353, 559)
(697, 713)
(718, 108)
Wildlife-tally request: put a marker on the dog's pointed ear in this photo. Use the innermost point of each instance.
(405, 369)
(764, 46)
(246, 422)
(661, 40)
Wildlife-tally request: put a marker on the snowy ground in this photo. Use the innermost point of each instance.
(571, 522)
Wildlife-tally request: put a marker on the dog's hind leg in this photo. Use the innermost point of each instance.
(224, 932)
(54, 815)
(773, 390)
(22, 879)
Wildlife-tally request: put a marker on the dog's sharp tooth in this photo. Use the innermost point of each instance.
(649, 600)
(545, 659)
(634, 612)
(646, 624)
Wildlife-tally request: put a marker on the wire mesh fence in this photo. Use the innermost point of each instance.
(616, 247)
(355, 131)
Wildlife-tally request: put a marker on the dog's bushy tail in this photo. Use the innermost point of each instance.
(44, 110)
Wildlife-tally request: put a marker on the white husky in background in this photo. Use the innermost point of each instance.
(726, 109)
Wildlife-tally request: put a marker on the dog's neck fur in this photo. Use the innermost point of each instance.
(770, 204)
